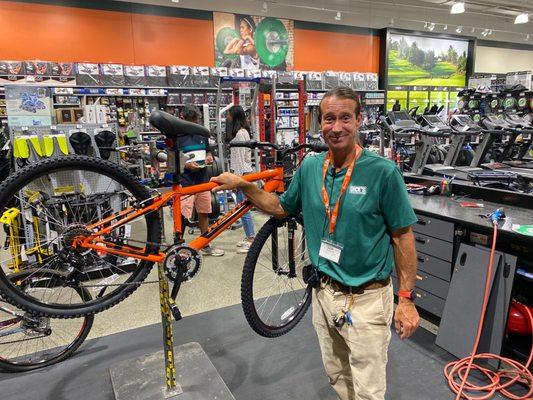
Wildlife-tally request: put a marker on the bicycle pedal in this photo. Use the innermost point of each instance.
(176, 313)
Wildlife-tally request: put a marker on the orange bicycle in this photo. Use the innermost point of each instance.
(93, 222)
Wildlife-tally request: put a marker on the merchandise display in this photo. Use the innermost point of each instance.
(386, 162)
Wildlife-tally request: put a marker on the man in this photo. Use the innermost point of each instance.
(194, 174)
(357, 221)
(396, 106)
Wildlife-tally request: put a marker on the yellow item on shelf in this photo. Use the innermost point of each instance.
(48, 146)
(10, 218)
(36, 145)
(62, 144)
(20, 148)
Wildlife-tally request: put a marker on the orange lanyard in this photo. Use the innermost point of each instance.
(332, 216)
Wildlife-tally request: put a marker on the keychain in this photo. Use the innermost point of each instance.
(344, 315)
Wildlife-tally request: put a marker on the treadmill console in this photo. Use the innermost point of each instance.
(434, 122)
(401, 120)
(464, 124)
(495, 122)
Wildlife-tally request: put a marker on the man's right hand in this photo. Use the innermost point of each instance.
(192, 166)
(227, 181)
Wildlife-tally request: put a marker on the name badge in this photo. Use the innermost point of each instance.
(330, 251)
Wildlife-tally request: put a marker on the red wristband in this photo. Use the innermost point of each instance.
(407, 294)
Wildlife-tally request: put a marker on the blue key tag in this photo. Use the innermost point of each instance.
(330, 250)
(348, 317)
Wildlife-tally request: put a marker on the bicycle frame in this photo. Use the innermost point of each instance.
(274, 182)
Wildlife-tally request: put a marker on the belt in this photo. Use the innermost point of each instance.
(340, 287)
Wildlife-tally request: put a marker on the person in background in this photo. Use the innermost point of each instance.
(357, 219)
(194, 174)
(396, 106)
(238, 130)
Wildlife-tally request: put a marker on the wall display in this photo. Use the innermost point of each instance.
(251, 42)
(420, 60)
(28, 105)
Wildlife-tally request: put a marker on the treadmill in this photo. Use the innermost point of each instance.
(526, 131)
(494, 122)
(435, 130)
(464, 126)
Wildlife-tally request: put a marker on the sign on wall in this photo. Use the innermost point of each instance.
(421, 60)
(251, 42)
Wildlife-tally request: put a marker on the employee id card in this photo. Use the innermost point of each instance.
(330, 250)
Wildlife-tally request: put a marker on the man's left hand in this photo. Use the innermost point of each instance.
(406, 318)
(209, 159)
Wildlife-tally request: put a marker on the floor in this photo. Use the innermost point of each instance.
(253, 367)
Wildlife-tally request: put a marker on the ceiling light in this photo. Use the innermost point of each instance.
(265, 6)
(485, 32)
(459, 29)
(425, 24)
(473, 30)
(431, 26)
(175, 1)
(338, 16)
(527, 36)
(445, 28)
(391, 22)
(522, 19)
(458, 7)
(490, 32)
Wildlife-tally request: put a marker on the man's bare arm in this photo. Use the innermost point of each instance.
(406, 317)
(268, 202)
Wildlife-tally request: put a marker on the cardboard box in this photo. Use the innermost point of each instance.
(134, 75)
(112, 75)
(88, 74)
(156, 75)
(179, 76)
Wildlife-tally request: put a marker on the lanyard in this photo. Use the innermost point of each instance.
(332, 215)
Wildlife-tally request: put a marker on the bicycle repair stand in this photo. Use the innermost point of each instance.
(140, 378)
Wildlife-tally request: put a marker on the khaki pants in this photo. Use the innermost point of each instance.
(355, 357)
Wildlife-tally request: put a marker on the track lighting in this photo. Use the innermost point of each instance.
(527, 36)
(485, 32)
(459, 29)
(458, 7)
(490, 32)
(522, 18)
(473, 30)
(338, 16)
(175, 1)
(425, 24)
(265, 6)
(445, 28)
(431, 26)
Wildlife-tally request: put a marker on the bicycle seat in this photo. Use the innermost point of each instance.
(104, 139)
(173, 127)
(80, 142)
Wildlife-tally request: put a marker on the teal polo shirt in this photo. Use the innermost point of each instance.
(375, 204)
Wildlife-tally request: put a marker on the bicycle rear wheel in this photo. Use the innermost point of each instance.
(45, 206)
(273, 293)
(28, 342)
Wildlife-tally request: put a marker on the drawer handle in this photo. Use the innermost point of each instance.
(422, 240)
(419, 278)
(423, 222)
(422, 259)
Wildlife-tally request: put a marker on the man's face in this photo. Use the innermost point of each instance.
(339, 122)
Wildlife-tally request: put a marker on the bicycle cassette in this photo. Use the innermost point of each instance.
(182, 261)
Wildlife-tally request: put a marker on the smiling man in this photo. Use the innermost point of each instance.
(357, 219)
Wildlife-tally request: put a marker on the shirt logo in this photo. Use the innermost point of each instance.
(358, 190)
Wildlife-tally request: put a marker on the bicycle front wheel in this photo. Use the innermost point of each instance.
(27, 341)
(273, 293)
(45, 207)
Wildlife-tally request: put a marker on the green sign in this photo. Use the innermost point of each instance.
(524, 229)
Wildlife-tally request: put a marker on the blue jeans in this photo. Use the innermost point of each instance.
(246, 219)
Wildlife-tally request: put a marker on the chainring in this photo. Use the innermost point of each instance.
(178, 257)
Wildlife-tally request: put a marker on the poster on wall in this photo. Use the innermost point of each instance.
(251, 42)
(420, 60)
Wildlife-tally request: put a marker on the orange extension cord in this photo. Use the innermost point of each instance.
(459, 370)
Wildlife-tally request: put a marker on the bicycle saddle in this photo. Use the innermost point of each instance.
(104, 139)
(80, 142)
(173, 127)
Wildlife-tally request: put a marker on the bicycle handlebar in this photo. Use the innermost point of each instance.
(253, 144)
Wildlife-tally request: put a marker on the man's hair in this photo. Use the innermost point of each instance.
(341, 92)
(191, 113)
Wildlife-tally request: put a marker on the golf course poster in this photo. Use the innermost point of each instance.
(426, 61)
(252, 42)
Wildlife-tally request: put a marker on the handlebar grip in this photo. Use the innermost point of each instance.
(249, 143)
(319, 147)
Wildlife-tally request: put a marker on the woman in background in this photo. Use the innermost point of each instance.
(238, 130)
